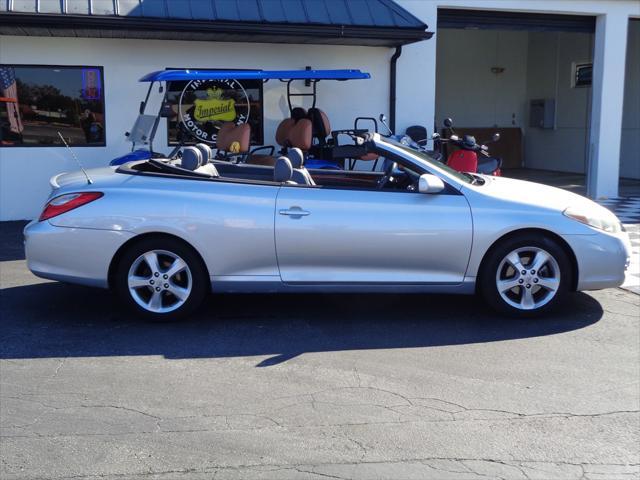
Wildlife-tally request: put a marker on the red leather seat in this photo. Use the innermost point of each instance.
(230, 133)
(321, 125)
(300, 135)
(295, 131)
(282, 133)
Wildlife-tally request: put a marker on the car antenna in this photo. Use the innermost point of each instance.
(75, 158)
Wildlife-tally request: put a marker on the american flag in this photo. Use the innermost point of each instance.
(9, 95)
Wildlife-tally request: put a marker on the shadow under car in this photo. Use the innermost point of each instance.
(57, 320)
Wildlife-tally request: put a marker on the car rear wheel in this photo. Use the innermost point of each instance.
(161, 279)
(525, 277)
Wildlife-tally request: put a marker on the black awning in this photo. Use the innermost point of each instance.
(494, 20)
(340, 22)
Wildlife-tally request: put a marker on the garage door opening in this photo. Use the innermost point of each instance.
(527, 77)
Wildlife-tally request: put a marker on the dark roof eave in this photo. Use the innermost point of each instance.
(63, 25)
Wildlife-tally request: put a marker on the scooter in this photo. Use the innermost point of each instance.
(466, 159)
(414, 139)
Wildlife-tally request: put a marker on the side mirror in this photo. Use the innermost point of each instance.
(435, 136)
(428, 183)
(383, 120)
(496, 137)
(448, 122)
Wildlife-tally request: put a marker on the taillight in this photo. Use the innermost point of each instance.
(64, 203)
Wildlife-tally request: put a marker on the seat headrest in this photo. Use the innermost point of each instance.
(282, 133)
(207, 153)
(230, 133)
(300, 135)
(282, 170)
(298, 113)
(320, 121)
(296, 156)
(191, 158)
(417, 133)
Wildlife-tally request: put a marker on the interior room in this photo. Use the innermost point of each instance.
(531, 82)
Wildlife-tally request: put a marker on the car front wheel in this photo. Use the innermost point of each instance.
(525, 277)
(161, 279)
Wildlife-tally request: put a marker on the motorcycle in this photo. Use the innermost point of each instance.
(471, 156)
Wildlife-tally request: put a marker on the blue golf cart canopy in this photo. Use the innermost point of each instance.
(178, 75)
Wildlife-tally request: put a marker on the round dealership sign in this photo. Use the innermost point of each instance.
(205, 105)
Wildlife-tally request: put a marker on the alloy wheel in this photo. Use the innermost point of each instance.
(160, 281)
(528, 278)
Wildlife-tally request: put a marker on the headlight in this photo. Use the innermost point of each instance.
(596, 217)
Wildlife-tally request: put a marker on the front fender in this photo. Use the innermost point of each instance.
(493, 219)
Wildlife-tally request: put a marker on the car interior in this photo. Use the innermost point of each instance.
(198, 162)
(303, 135)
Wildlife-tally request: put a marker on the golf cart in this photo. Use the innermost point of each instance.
(212, 110)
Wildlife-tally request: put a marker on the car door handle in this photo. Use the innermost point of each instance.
(294, 212)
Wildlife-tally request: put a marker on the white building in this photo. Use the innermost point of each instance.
(489, 65)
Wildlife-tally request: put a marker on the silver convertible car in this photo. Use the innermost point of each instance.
(165, 233)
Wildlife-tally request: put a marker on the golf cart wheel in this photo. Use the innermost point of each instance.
(525, 276)
(161, 279)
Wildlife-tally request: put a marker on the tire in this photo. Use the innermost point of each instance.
(534, 292)
(161, 279)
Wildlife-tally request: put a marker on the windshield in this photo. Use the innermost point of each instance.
(142, 130)
(431, 162)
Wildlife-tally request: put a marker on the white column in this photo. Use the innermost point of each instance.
(606, 113)
(416, 82)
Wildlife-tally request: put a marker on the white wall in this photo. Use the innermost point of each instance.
(630, 151)
(416, 75)
(24, 172)
(466, 88)
(549, 75)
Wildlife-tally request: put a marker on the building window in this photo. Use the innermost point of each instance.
(582, 74)
(37, 102)
(202, 106)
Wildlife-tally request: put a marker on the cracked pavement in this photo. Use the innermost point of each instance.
(314, 387)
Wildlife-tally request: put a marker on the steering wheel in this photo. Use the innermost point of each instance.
(389, 167)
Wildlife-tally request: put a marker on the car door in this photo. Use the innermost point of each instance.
(338, 235)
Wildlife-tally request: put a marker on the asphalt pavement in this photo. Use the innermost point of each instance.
(313, 387)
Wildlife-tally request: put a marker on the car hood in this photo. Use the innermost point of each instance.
(532, 194)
